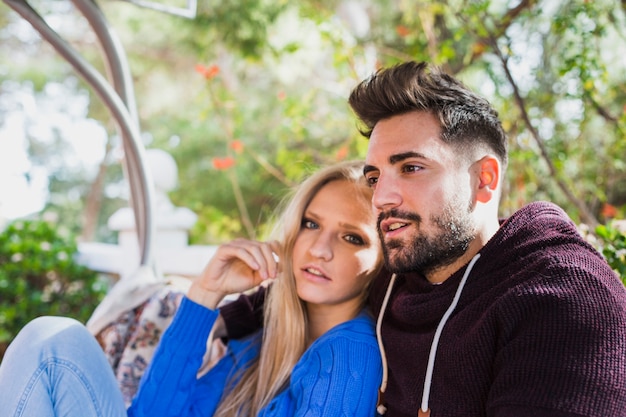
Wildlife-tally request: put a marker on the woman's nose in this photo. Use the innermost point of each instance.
(322, 247)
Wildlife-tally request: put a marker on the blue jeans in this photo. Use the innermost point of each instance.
(55, 368)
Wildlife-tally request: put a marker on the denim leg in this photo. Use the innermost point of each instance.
(55, 368)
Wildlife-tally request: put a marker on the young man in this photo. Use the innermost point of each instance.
(481, 317)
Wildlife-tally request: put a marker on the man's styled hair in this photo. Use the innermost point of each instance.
(467, 120)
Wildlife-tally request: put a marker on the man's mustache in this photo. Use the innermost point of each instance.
(397, 214)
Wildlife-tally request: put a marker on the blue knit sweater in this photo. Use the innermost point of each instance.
(338, 375)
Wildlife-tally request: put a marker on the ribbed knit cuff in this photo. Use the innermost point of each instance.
(192, 324)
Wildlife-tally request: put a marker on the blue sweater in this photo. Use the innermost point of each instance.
(338, 375)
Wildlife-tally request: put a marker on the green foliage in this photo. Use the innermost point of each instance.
(613, 246)
(268, 135)
(39, 276)
(285, 71)
(241, 25)
(572, 93)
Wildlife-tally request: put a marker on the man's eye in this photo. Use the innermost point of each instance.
(411, 168)
(371, 181)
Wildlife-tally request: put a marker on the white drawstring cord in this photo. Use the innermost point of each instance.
(380, 407)
(435, 343)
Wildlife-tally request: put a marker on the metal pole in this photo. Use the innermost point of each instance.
(140, 178)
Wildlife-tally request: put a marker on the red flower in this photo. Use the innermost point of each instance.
(609, 211)
(402, 31)
(236, 145)
(207, 72)
(222, 164)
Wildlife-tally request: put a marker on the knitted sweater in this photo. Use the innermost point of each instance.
(338, 374)
(539, 329)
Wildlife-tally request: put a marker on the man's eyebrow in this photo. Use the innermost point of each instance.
(369, 168)
(394, 159)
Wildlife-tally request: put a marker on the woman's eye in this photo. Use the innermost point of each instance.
(354, 239)
(309, 224)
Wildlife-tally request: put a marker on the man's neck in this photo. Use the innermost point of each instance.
(439, 275)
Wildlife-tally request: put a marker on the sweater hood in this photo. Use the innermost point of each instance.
(537, 225)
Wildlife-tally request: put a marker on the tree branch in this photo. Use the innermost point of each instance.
(602, 111)
(500, 28)
(585, 213)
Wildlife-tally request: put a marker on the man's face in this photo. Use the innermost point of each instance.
(422, 194)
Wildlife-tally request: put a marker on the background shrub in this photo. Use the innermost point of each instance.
(39, 276)
(612, 244)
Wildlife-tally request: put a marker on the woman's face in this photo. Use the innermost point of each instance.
(337, 250)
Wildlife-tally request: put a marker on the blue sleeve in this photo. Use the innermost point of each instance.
(170, 386)
(337, 377)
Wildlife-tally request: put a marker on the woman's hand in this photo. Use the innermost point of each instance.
(236, 266)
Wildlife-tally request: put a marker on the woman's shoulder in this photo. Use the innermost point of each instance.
(339, 373)
(359, 330)
(362, 323)
(347, 346)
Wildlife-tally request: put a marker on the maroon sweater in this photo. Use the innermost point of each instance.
(539, 329)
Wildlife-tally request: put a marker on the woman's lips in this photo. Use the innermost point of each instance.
(315, 273)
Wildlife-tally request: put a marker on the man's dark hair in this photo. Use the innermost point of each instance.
(466, 119)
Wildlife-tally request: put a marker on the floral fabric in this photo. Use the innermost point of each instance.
(130, 341)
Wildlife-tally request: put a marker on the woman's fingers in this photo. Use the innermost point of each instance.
(244, 259)
(236, 267)
(257, 255)
(277, 256)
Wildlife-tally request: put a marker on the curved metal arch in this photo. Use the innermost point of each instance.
(119, 99)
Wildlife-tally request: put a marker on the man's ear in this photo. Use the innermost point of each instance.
(488, 169)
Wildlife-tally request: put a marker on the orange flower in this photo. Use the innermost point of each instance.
(222, 164)
(609, 211)
(479, 48)
(236, 145)
(281, 95)
(342, 153)
(207, 72)
(402, 31)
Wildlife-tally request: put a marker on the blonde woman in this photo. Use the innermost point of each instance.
(317, 354)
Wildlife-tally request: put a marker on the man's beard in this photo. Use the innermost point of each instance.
(424, 253)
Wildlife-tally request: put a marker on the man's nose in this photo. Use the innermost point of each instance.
(386, 194)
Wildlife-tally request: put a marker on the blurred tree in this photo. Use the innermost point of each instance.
(39, 276)
(251, 94)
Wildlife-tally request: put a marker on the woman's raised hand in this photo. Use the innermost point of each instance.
(236, 266)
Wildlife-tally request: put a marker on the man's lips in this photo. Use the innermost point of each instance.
(390, 226)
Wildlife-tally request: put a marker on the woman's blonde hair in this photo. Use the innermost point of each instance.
(285, 319)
